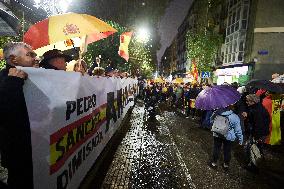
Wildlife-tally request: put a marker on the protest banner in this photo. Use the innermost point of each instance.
(72, 118)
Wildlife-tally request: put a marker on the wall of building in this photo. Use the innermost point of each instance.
(270, 13)
(268, 48)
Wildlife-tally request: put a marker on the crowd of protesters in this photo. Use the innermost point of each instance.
(249, 117)
(15, 134)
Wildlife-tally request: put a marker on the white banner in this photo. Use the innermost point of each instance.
(72, 118)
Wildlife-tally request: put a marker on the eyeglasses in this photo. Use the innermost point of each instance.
(31, 54)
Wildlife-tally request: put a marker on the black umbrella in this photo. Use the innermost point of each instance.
(9, 23)
(267, 85)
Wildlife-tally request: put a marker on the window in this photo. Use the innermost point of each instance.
(238, 13)
(240, 56)
(245, 12)
(233, 57)
(244, 24)
(236, 36)
(235, 46)
(242, 34)
(241, 46)
(237, 26)
(231, 3)
(230, 20)
(234, 17)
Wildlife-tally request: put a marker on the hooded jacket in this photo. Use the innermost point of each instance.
(235, 130)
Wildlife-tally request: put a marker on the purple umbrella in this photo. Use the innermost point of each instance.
(215, 97)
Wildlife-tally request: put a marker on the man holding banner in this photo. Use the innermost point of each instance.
(15, 134)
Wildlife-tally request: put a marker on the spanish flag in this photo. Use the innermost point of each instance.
(1, 54)
(273, 106)
(194, 70)
(124, 42)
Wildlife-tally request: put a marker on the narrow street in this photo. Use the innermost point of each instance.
(173, 152)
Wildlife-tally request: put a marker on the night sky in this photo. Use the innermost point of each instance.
(170, 22)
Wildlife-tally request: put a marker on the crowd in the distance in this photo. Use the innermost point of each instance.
(249, 117)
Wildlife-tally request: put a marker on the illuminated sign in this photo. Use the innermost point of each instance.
(232, 71)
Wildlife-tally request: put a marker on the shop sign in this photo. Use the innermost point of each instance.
(262, 52)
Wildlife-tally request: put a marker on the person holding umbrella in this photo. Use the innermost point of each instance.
(226, 126)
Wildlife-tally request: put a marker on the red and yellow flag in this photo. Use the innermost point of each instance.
(124, 42)
(1, 54)
(194, 70)
(273, 106)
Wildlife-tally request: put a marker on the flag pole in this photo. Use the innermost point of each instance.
(83, 49)
(23, 26)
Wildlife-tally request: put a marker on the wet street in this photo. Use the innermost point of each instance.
(173, 152)
(148, 157)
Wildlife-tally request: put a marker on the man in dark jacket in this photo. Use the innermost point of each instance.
(15, 134)
(258, 118)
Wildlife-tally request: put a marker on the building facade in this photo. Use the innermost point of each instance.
(181, 46)
(165, 65)
(265, 38)
(253, 35)
(173, 56)
(236, 30)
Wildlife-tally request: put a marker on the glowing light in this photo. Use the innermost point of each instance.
(63, 5)
(143, 35)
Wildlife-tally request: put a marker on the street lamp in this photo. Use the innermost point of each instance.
(143, 35)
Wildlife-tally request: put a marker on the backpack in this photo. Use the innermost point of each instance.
(221, 125)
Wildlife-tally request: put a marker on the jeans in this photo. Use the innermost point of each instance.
(227, 146)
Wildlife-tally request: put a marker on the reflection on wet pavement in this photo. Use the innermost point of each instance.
(147, 157)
